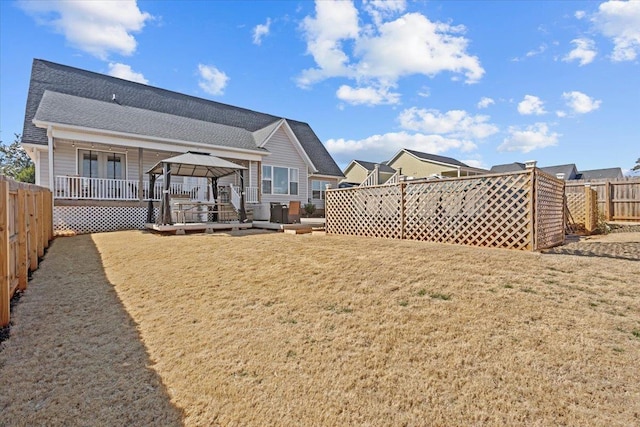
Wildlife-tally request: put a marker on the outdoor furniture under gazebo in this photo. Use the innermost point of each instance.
(192, 164)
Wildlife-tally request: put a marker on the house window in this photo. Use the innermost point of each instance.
(279, 180)
(318, 189)
(101, 164)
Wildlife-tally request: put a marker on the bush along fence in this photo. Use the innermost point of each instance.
(26, 228)
(618, 200)
(520, 210)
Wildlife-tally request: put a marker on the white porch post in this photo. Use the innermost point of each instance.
(50, 141)
(38, 160)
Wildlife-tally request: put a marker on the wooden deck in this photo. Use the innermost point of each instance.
(206, 227)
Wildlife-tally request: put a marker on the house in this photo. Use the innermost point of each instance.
(568, 172)
(93, 137)
(409, 164)
(358, 170)
(415, 165)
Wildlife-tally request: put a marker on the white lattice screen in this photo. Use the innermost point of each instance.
(491, 210)
(95, 219)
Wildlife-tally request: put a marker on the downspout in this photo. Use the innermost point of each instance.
(50, 144)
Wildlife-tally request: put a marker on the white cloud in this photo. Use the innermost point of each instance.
(124, 71)
(537, 51)
(260, 31)
(212, 80)
(334, 22)
(580, 14)
(485, 102)
(382, 53)
(424, 92)
(561, 113)
(620, 21)
(474, 163)
(367, 95)
(584, 51)
(531, 138)
(454, 123)
(381, 9)
(581, 103)
(531, 105)
(384, 146)
(96, 27)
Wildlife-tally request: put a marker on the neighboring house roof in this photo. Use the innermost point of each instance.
(371, 165)
(73, 110)
(510, 167)
(570, 171)
(608, 173)
(67, 80)
(432, 158)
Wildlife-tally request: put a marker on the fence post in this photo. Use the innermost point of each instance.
(531, 166)
(5, 291)
(402, 210)
(607, 201)
(23, 251)
(40, 221)
(33, 230)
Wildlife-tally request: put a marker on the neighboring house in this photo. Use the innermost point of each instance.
(415, 164)
(568, 172)
(408, 164)
(358, 171)
(93, 137)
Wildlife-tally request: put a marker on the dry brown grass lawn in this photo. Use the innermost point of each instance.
(275, 329)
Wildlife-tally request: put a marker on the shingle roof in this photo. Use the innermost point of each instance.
(63, 79)
(509, 167)
(371, 165)
(436, 158)
(569, 170)
(601, 173)
(74, 110)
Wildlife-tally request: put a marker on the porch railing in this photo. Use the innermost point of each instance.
(251, 195)
(81, 188)
(78, 187)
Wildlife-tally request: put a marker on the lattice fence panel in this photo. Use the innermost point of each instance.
(95, 219)
(576, 204)
(549, 211)
(481, 211)
(365, 211)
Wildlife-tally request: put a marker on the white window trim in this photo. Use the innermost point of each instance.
(289, 181)
(323, 188)
(123, 153)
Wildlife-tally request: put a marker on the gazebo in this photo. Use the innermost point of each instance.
(193, 164)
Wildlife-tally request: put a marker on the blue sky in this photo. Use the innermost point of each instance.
(484, 82)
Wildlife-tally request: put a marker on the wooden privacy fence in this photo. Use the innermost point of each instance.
(519, 210)
(618, 200)
(26, 228)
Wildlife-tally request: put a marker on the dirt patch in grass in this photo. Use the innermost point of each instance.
(74, 356)
(274, 329)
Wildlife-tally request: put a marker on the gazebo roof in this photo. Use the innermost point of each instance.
(201, 165)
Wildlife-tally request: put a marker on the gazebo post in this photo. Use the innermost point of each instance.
(151, 195)
(166, 208)
(214, 190)
(243, 213)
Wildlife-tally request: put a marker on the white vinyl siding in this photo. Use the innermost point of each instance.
(284, 154)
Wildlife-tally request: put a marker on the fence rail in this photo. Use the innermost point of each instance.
(26, 228)
(618, 200)
(520, 210)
